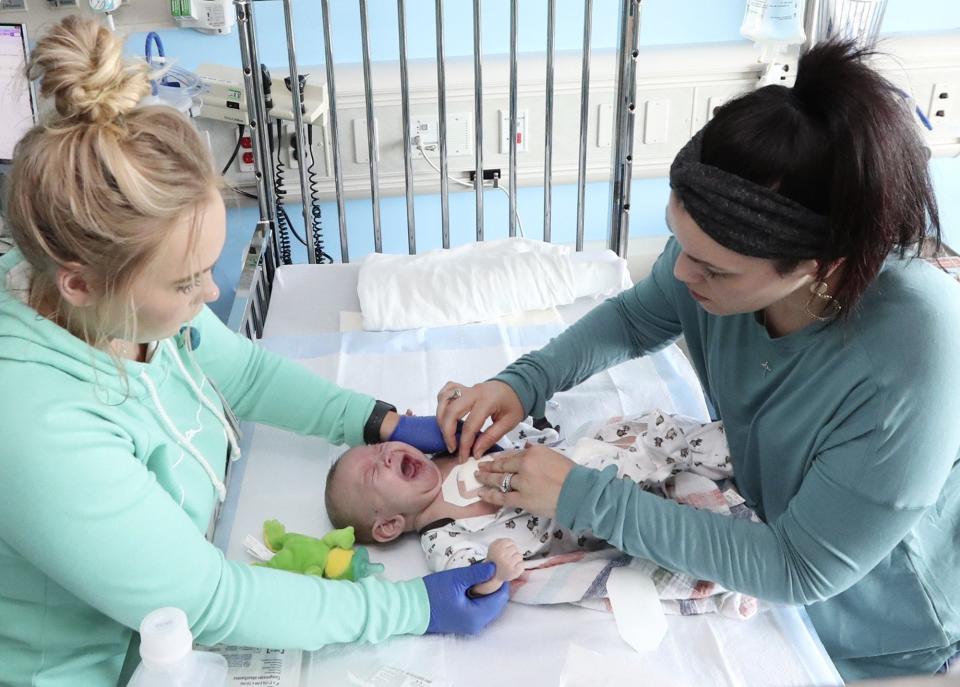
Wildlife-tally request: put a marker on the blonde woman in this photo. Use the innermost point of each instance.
(114, 437)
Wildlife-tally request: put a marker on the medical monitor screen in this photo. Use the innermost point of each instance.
(16, 98)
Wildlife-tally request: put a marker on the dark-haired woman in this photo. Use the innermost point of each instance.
(828, 352)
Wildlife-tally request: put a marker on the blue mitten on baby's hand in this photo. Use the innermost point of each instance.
(423, 432)
(452, 610)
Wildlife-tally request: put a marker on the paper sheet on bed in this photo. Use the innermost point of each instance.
(283, 475)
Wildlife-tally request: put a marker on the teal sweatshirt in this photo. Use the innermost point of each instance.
(844, 438)
(103, 511)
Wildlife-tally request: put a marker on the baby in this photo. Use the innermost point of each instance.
(388, 489)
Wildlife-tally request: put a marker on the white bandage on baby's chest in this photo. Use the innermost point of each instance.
(462, 474)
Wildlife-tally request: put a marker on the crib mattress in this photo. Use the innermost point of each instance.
(282, 476)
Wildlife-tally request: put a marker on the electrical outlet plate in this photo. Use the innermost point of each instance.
(318, 149)
(656, 121)
(943, 105)
(604, 125)
(706, 100)
(522, 133)
(459, 133)
(361, 153)
(428, 131)
(243, 166)
(321, 158)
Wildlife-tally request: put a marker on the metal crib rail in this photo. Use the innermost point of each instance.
(548, 121)
(442, 129)
(405, 113)
(478, 115)
(334, 128)
(584, 118)
(299, 136)
(624, 121)
(512, 183)
(257, 114)
(372, 146)
(263, 257)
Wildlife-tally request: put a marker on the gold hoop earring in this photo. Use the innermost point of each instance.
(818, 290)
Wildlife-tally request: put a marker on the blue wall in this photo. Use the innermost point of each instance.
(664, 22)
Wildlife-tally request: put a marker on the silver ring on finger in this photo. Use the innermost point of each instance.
(505, 482)
(455, 394)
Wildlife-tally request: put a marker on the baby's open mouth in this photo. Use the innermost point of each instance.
(409, 467)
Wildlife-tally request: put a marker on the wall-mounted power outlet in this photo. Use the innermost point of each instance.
(245, 154)
(943, 105)
(315, 150)
(459, 133)
(505, 132)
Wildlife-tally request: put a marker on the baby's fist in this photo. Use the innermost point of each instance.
(508, 559)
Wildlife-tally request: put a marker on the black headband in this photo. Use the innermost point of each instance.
(745, 217)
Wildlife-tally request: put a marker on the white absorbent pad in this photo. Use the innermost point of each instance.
(478, 283)
(461, 486)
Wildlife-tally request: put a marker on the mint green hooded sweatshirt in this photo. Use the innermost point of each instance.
(105, 499)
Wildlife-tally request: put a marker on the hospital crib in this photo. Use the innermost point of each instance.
(264, 254)
(310, 307)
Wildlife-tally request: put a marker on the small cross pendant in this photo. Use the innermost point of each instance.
(766, 368)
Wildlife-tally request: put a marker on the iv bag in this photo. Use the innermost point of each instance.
(774, 24)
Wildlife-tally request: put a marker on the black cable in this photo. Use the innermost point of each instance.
(321, 256)
(283, 221)
(242, 192)
(236, 149)
(284, 224)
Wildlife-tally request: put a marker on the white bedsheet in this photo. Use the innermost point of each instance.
(282, 476)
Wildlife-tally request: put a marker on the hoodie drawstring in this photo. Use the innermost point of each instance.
(184, 442)
(227, 429)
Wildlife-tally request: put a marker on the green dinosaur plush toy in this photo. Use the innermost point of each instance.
(333, 556)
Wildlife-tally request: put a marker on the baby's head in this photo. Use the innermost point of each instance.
(380, 490)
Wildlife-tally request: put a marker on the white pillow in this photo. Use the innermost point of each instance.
(479, 282)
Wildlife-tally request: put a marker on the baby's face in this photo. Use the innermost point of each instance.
(390, 479)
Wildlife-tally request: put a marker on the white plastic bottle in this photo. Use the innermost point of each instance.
(167, 655)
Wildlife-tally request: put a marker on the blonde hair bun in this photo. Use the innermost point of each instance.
(81, 67)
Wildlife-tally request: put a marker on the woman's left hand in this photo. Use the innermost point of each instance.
(536, 474)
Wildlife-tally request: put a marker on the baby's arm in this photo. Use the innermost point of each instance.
(446, 550)
(509, 561)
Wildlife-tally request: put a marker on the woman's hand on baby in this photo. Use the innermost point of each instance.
(474, 404)
(452, 609)
(537, 478)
